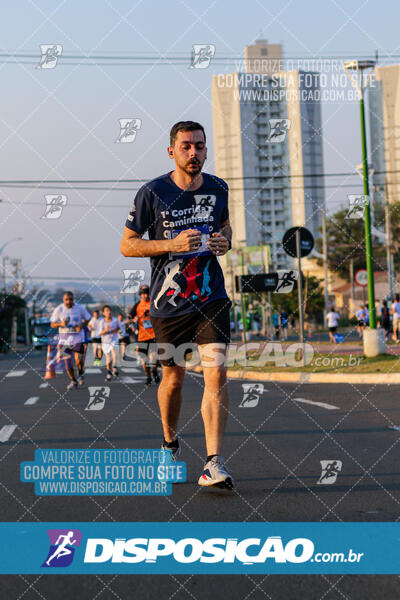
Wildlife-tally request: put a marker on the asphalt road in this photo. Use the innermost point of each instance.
(273, 449)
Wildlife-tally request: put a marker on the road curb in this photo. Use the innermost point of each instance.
(289, 377)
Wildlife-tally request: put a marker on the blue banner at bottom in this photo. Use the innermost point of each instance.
(199, 548)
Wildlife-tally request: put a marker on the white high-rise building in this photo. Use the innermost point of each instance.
(268, 146)
(384, 123)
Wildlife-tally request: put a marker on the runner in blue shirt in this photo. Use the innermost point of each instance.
(185, 214)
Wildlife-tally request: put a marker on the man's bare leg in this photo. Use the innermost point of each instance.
(170, 399)
(214, 406)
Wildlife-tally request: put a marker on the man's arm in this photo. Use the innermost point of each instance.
(133, 245)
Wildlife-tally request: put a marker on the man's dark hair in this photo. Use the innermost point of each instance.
(68, 293)
(184, 126)
(397, 297)
(106, 306)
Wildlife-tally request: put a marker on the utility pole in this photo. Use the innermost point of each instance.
(325, 253)
(359, 66)
(389, 254)
(352, 282)
(300, 295)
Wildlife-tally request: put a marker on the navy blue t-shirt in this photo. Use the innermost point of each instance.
(181, 282)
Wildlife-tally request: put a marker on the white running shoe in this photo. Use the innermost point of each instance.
(215, 474)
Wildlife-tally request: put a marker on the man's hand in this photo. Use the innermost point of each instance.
(188, 240)
(64, 322)
(218, 244)
(78, 327)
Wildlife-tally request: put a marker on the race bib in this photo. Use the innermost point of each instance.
(147, 324)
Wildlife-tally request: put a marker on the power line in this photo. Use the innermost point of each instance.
(4, 182)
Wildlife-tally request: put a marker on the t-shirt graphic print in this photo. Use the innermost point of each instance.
(181, 282)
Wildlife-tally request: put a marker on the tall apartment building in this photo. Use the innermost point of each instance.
(384, 124)
(267, 126)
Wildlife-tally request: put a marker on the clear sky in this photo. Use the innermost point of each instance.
(62, 123)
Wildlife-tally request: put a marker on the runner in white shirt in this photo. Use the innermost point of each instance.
(109, 341)
(333, 320)
(70, 319)
(94, 326)
(360, 316)
(123, 334)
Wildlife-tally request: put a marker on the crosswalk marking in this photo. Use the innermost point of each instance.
(6, 432)
(92, 371)
(129, 380)
(15, 373)
(32, 400)
(44, 385)
(130, 369)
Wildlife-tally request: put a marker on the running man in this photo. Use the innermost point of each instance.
(70, 319)
(94, 327)
(360, 316)
(140, 314)
(62, 549)
(185, 213)
(123, 335)
(109, 328)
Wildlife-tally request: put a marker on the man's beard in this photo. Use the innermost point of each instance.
(188, 168)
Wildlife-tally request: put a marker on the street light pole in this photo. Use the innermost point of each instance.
(367, 214)
(359, 66)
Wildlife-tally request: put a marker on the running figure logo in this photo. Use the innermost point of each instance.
(251, 394)
(132, 280)
(330, 470)
(50, 55)
(278, 129)
(286, 282)
(171, 269)
(201, 55)
(205, 204)
(54, 206)
(97, 397)
(356, 206)
(128, 130)
(63, 543)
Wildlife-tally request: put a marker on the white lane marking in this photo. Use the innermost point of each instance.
(6, 432)
(128, 380)
(395, 427)
(321, 404)
(130, 369)
(92, 371)
(44, 385)
(32, 400)
(15, 373)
